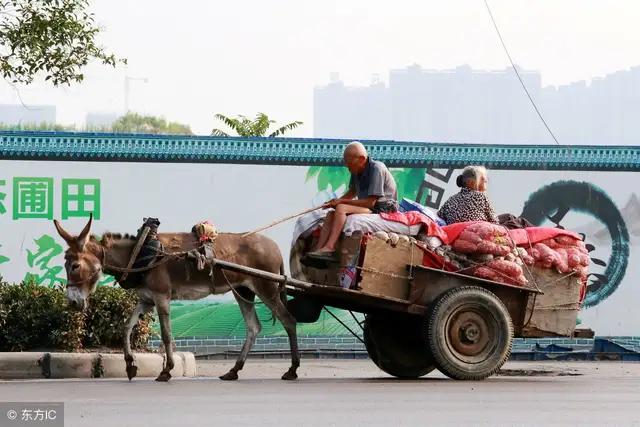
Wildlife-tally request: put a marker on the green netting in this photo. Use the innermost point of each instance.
(225, 320)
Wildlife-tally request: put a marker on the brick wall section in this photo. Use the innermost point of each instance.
(214, 345)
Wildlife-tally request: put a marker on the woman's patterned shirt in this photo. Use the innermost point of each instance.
(467, 205)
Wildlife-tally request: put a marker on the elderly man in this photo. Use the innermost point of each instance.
(372, 189)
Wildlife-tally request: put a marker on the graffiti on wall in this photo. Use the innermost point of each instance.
(554, 202)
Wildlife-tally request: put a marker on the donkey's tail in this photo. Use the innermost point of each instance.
(283, 288)
(283, 295)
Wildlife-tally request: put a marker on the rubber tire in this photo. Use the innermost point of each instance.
(395, 344)
(445, 358)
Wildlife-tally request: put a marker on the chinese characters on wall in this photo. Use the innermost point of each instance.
(43, 198)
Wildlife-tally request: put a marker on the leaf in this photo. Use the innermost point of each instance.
(408, 181)
(312, 172)
(324, 179)
(218, 132)
(598, 262)
(285, 128)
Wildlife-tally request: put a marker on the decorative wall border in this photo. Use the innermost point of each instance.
(72, 146)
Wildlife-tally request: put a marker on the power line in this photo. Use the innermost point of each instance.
(535, 107)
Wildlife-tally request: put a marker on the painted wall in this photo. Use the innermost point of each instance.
(602, 205)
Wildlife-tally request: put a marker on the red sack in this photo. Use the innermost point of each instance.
(573, 257)
(470, 236)
(510, 268)
(486, 273)
(487, 230)
(567, 240)
(486, 247)
(526, 257)
(465, 247)
(548, 257)
(585, 260)
(562, 263)
(533, 253)
(551, 243)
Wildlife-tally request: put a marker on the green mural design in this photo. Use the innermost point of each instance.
(3, 258)
(329, 177)
(39, 259)
(80, 197)
(224, 319)
(408, 181)
(3, 196)
(332, 178)
(33, 198)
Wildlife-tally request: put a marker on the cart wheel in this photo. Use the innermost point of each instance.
(469, 333)
(394, 344)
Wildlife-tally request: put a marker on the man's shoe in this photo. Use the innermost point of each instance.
(323, 255)
(319, 260)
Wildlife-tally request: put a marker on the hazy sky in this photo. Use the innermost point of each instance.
(244, 56)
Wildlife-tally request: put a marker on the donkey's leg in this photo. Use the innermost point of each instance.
(141, 308)
(163, 307)
(252, 322)
(279, 310)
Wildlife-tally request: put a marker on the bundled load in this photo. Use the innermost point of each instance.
(483, 238)
(493, 252)
(564, 253)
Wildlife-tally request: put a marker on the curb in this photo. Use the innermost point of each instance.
(34, 365)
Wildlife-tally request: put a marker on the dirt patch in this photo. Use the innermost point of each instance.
(537, 373)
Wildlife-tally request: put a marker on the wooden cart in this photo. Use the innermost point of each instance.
(419, 319)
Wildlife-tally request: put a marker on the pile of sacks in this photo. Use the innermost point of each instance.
(564, 253)
(491, 253)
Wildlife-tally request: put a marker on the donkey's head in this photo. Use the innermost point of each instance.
(83, 265)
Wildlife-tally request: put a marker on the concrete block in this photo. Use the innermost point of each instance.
(21, 365)
(71, 365)
(33, 365)
(112, 365)
(178, 365)
(149, 364)
(189, 362)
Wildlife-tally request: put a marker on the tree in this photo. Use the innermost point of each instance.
(129, 123)
(54, 38)
(259, 126)
(42, 126)
(136, 123)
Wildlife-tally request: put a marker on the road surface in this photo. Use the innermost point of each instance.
(349, 393)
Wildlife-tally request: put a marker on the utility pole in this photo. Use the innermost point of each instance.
(127, 84)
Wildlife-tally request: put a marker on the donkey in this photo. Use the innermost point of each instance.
(86, 259)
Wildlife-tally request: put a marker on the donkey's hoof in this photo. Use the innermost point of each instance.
(290, 376)
(132, 371)
(229, 376)
(164, 377)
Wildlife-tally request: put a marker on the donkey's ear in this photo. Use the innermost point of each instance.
(83, 238)
(63, 233)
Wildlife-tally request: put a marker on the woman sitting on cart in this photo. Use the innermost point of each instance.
(471, 203)
(372, 189)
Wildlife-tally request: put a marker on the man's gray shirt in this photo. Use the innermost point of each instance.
(375, 180)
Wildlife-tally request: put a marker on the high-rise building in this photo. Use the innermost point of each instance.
(465, 105)
(352, 112)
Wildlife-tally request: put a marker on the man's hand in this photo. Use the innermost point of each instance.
(331, 204)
